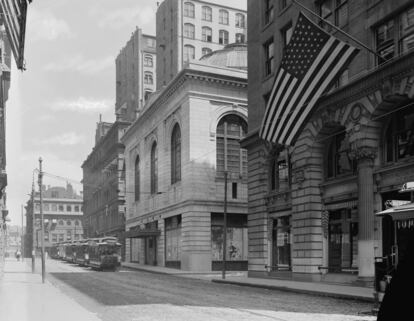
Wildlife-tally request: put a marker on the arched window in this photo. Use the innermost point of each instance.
(189, 53)
(223, 17)
(240, 20)
(206, 34)
(338, 161)
(176, 154)
(206, 13)
(189, 31)
(148, 79)
(137, 179)
(148, 62)
(154, 168)
(223, 37)
(399, 136)
(240, 38)
(205, 51)
(77, 223)
(189, 10)
(230, 130)
(68, 222)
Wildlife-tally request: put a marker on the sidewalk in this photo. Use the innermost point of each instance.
(240, 278)
(23, 297)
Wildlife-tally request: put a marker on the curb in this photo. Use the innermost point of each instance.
(302, 291)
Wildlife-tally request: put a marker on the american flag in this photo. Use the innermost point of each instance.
(311, 62)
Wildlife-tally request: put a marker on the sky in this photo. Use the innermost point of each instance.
(54, 105)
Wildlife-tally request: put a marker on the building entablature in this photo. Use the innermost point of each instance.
(194, 71)
(382, 80)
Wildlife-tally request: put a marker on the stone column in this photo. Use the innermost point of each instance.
(365, 157)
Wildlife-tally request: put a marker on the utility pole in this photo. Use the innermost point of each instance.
(225, 226)
(33, 227)
(42, 220)
(22, 238)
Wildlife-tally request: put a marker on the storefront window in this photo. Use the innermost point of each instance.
(236, 249)
(173, 238)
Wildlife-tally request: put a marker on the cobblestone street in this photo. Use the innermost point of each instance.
(133, 295)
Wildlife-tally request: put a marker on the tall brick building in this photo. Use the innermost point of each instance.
(312, 205)
(188, 29)
(135, 75)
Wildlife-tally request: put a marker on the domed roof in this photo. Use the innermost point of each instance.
(231, 56)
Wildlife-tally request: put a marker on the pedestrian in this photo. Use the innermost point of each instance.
(18, 253)
(397, 301)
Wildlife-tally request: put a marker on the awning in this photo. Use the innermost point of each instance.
(142, 233)
(400, 213)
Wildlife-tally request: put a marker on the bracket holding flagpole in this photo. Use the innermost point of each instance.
(338, 29)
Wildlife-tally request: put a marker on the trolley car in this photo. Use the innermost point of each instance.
(104, 253)
(82, 256)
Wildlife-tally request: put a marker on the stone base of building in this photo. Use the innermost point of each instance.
(339, 278)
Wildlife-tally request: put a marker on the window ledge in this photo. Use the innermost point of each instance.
(267, 25)
(267, 77)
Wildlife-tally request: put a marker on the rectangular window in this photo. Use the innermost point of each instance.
(268, 11)
(283, 4)
(76, 208)
(54, 237)
(68, 208)
(234, 190)
(286, 34)
(334, 11)
(173, 238)
(61, 208)
(269, 57)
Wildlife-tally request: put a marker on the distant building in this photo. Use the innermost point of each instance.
(176, 154)
(187, 30)
(62, 214)
(104, 183)
(135, 75)
(14, 240)
(312, 205)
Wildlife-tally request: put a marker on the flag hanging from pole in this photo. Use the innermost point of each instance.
(312, 60)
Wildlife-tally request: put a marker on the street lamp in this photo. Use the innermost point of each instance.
(42, 221)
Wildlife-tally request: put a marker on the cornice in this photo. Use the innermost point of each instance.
(370, 82)
(176, 84)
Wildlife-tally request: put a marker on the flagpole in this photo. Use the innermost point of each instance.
(338, 29)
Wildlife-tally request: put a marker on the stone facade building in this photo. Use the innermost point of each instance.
(176, 153)
(188, 29)
(104, 183)
(135, 75)
(62, 214)
(312, 205)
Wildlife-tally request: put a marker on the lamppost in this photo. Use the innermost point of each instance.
(42, 221)
(225, 224)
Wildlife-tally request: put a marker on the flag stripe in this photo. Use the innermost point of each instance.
(316, 77)
(289, 88)
(304, 89)
(347, 56)
(276, 91)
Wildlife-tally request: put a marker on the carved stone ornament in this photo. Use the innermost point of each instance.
(299, 176)
(356, 112)
(363, 152)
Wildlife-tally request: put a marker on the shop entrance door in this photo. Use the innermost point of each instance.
(281, 244)
(335, 247)
(150, 251)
